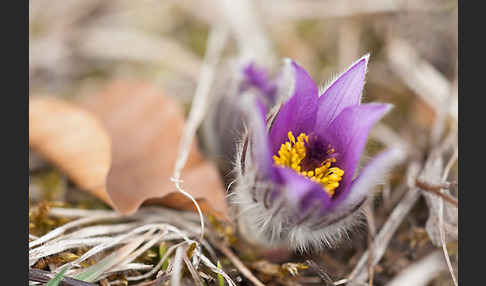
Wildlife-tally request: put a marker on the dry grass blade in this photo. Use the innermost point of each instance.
(216, 270)
(144, 230)
(159, 265)
(146, 246)
(192, 270)
(114, 241)
(79, 213)
(91, 273)
(175, 280)
(63, 245)
(43, 276)
(421, 272)
(237, 263)
(60, 230)
(103, 229)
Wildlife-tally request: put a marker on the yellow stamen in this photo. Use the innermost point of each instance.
(293, 152)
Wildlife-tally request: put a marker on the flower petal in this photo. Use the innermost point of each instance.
(257, 77)
(343, 92)
(348, 134)
(302, 193)
(371, 175)
(299, 112)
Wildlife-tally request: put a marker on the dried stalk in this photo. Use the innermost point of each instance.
(321, 272)
(435, 189)
(217, 40)
(237, 263)
(441, 217)
(382, 239)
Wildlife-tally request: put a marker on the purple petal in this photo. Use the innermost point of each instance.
(371, 175)
(343, 92)
(348, 134)
(301, 192)
(299, 112)
(258, 78)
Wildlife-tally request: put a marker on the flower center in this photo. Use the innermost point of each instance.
(292, 154)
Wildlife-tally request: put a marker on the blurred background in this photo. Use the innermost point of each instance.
(79, 47)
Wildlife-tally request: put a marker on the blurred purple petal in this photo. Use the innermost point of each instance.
(302, 193)
(348, 134)
(343, 92)
(299, 112)
(257, 77)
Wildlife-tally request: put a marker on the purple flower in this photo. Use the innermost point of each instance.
(297, 168)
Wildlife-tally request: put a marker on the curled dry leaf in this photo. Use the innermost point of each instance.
(73, 139)
(145, 127)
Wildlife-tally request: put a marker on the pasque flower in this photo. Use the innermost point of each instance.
(297, 178)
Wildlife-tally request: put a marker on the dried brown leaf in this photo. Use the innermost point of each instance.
(72, 139)
(146, 127)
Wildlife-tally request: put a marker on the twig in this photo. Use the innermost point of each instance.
(435, 189)
(237, 263)
(43, 276)
(441, 217)
(321, 272)
(193, 271)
